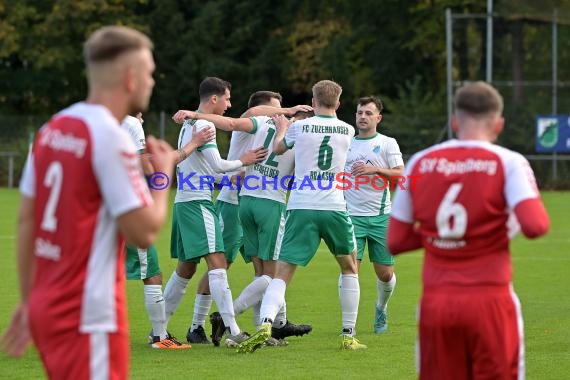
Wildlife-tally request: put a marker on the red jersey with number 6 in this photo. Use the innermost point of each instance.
(83, 173)
(463, 201)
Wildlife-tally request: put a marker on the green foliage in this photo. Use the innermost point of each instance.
(416, 117)
(238, 42)
(41, 63)
(395, 48)
(306, 42)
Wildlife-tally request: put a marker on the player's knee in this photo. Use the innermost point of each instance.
(186, 269)
(154, 280)
(348, 264)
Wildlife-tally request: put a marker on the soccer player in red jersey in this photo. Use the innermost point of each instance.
(83, 194)
(470, 199)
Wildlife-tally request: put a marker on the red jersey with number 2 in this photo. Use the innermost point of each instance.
(83, 173)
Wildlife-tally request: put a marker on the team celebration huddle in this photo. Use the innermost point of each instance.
(88, 221)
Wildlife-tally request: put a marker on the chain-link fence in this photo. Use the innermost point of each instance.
(530, 66)
(16, 133)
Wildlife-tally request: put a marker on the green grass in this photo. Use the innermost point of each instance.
(542, 281)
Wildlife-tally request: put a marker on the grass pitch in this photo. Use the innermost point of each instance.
(541, 280)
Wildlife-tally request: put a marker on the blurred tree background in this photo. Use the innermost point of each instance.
(391, 48)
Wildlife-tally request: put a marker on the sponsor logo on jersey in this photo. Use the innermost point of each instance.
(66, 142)
(449, 167)
(47, 250)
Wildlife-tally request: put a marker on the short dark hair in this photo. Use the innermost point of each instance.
(263, 97)
(109, 42)
(299, 115)
(213, 86)
(371, 99)
(477, 99)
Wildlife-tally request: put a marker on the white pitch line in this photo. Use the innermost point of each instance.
(534, 258)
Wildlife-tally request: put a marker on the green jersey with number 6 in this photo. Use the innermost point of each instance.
(321, 146)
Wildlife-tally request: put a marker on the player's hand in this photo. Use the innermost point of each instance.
(300, 108)
(281, 123)
(17, 337)
(182, 115)
(360, 168)
(253, 156)
(204, 136)
(237, 179)
(162, 157)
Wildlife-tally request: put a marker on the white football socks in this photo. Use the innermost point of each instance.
(281, 317)
(202, 304)
(349, 291)
(155, 307)
(173, 292)
(257, 315)
(385, 290)
(222, 295)
(251, 294)
(273, 299)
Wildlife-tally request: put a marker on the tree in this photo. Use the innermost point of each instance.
(415, 116)
(41, 61)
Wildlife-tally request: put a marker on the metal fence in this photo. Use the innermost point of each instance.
(16, 132)
(526, 56)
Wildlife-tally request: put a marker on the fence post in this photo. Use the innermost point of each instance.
(10, 171)
(489, 55)
(162, 124)
(554, 84)
(449, 60)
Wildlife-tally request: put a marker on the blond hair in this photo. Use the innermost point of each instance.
(327, 93)
(110, 42)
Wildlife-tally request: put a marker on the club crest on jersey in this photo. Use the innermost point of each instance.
(376, 149)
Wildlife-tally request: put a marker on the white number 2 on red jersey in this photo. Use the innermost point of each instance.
(53, 180)
(451, 218)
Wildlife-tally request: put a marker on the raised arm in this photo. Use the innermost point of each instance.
(265, 110)
(220, 165)
(198, 139)
(182, 115)
(281, 126)
(243, 124)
